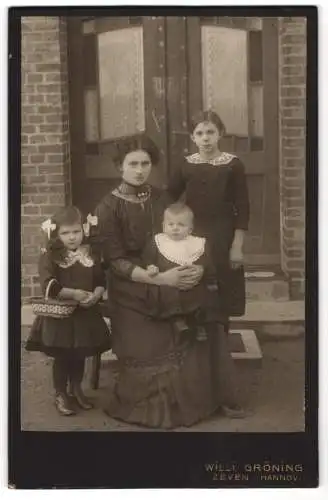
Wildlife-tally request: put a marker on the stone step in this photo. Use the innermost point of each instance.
(264, 284)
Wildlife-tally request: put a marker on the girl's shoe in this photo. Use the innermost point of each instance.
(80, 398)
(62, 405)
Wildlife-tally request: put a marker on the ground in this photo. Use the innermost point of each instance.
(273, 392)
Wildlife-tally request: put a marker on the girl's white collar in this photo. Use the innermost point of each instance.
(183, 252)
(222, 159)
(80, 255)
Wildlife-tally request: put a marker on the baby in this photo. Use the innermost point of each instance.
(193, 309)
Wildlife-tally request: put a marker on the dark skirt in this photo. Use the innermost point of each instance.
(232, 290)
(84, 332)
(164, 382)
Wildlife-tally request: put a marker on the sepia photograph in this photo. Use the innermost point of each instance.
(163, 167)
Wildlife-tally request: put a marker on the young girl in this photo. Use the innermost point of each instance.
(75, 273)
(190, 310)
(215, 188)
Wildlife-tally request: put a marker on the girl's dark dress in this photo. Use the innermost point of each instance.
(216, 191)
(160, 384)
(85, 332)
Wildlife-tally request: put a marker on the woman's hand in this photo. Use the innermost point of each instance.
(236, 257)
(182, 277)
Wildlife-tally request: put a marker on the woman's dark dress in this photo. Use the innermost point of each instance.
(160, 384)
(85, 331)
(217, 193)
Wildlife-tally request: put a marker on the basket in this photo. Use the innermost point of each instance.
(52, 308)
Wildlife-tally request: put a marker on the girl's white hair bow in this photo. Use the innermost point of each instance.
(47, 226)
(92, 220)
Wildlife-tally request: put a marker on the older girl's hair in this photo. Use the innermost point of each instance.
(207, 116)
(135, 143)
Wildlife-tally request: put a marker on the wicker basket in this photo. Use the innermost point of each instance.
(53, 308)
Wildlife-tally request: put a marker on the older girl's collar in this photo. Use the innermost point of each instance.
(222, 159)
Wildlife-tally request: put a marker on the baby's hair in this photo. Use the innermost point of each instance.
(207, 116)
(179, 208)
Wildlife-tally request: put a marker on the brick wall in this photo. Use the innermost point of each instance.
(292, 102)
(45, 174)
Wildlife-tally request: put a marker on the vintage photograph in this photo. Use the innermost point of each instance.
(163, 163)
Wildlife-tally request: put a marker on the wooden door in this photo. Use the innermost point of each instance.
(117, 89)
(233, 69)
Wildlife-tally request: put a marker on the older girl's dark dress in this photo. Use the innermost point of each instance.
(85, 332)
(160, 384)
(216, 191)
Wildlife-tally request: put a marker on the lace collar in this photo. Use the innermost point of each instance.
(80, 255)
(181, 252)
(222, 159)
(136, 194)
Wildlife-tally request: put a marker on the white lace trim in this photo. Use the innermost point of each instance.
(182, 252)
(223, 159)
(81, 255)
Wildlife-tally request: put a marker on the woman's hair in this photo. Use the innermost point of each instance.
(67, 216)
(179, 208)
(207, 116)
(136, 143)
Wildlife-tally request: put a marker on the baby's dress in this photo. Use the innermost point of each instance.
(85, 330)
(169, 302)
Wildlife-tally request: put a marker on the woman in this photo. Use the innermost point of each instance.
(161, 384)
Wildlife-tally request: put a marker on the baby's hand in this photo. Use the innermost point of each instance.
(152, 270)
(80, 295)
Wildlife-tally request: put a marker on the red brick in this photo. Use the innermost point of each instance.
(34, 78)
(50, 129)
(292, 92)
(299, 112)
(55, 158)
(48, 68)
(49, 89)
(35, 99)
(297, 60)
(48, 211)
(293, 152)
(50, 169)
(50, 148)
(35, 118)
(293, 71)
(292, 131)
(294, 223)
(57, 199)
(294, 183)
(26, 291)
(29, 170)
(286, 102)
(295, 264)
(293, 172)
(33, 179)
(30, 210)
(54, 188)
(55, 178)
(55, 118)
(292, 192)
(293, 80)
(293, 122)
(292, 142)
(294, 163)
(37, 139)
